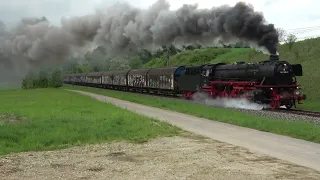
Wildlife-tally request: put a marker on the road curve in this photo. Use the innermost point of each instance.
(296, 151)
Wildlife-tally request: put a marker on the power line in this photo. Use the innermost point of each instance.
(308, 37)
(303, 28)
(304, 31)
(304, 37)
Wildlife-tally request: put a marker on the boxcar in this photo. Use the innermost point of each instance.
(107, 79)
(162, 78)
(80, 79)
(120, 79)
(68, 78)
(137, 79)
(94, 79)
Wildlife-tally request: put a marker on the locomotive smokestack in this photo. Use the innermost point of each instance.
(274, 57)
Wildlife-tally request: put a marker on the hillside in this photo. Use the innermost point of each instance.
(306, 52)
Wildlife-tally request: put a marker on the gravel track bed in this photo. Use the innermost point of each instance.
(238, 106)
(283, 116)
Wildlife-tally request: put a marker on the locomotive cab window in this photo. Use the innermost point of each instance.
(206, 73)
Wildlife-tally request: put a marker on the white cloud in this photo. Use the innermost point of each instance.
(287, 14)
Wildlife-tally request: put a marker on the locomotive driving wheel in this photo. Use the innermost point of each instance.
(188, 94)
(290, 104)
(275, 102)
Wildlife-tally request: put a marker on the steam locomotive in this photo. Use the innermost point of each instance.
(270, 82)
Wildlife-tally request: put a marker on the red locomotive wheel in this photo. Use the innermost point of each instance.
(188, 94)
(275, 102)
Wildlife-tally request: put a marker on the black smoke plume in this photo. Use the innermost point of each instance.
(122, 28)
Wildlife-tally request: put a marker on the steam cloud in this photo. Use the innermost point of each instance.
(238, 103)
(123, 28)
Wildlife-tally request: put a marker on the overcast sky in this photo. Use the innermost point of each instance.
(288, 14)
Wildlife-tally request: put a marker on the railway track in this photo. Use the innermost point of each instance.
(310, 114)
(299, 112)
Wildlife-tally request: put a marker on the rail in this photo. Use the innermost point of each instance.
(299, 112)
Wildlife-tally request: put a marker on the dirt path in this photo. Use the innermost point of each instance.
(289, 149)
(187, 157)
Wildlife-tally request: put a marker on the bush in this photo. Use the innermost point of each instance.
(43, 79)
(30, 81)
(55, 79)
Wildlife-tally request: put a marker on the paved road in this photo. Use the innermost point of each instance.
(289, 149)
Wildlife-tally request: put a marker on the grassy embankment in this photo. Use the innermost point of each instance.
(301, 130)
(305, 52)
(46, 119)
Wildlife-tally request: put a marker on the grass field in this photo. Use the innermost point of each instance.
(46, 119)
(306, 52)
(301, 130)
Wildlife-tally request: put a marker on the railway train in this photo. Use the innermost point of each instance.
(272, 82)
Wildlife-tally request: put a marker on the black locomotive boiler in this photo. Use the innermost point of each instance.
(270, 82)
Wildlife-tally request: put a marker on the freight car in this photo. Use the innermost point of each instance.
(270, 82)
(150, 80)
